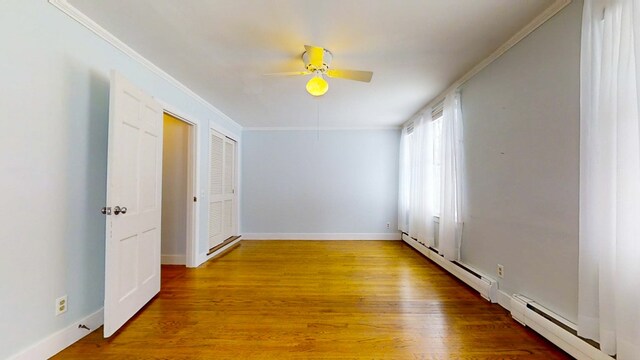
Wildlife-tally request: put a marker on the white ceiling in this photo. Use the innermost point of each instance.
(221, 49)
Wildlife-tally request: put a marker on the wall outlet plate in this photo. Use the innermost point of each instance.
(61, 305)
(388, 225)
(500, 271)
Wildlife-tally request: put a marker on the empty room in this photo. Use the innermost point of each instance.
(340, 179)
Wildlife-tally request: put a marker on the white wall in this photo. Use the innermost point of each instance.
(53, 156)
(175, 167)
(521, 124)
(345, 181)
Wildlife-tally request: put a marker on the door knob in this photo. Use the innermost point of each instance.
(117, 210)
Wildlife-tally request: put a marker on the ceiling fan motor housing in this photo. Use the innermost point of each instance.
(327, 56)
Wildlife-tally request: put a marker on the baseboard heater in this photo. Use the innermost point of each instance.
(556, 329)
(527, 312)
(486, 286)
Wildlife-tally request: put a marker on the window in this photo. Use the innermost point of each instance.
(404, 195)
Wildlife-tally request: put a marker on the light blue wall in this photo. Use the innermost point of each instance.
(521, 123)
(53, 152)
(342, 182)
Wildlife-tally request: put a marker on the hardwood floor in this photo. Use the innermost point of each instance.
(317, 300)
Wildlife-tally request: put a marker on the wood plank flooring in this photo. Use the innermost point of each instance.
(317, 300)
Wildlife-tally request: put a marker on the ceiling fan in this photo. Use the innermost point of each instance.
(317, 61)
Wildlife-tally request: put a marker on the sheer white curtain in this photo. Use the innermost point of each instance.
(609, 263)
(404, 182)
(450, 234)
(415, 210)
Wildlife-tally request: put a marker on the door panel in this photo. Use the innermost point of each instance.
(134, 176)
(215, 219)
(229, 166)
(148, 173)
(147, 263)
(230, 202)
(216, 184)
(216, 171)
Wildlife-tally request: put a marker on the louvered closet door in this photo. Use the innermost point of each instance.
(229, 190)
(222, 197)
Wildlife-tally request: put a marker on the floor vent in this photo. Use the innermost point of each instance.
(555, 328)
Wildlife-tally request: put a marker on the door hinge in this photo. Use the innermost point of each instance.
(106, 210)
(195, 199)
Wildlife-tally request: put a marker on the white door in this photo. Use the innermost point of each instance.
(222, 160)
(229, 190)
(134, 190)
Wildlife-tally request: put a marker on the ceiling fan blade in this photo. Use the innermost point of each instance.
(316, 55)
(357, 75)
(289, 73)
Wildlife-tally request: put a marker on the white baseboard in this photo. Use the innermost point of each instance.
(173, 259)
(321, 236)
(61, 339)
(202, 258)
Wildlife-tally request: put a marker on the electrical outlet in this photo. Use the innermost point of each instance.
(500, 271)
(61, 305)
(388, 225)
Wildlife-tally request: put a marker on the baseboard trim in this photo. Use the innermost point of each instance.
(322, 236)
(61, 339)
(173, 259)
(203, 257)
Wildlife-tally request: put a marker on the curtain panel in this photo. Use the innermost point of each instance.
(451, 158)
(609, 236)
(415, 210)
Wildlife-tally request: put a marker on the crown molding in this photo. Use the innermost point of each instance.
(543, 17)
(302, 128)
(84, 20)
(81, 18)
(323, 236)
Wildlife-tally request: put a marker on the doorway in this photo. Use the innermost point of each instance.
(178, 195)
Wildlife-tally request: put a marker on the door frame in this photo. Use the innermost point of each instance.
(199, 141)
(193, 185)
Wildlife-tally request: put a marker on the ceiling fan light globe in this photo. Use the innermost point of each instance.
(317, 86)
